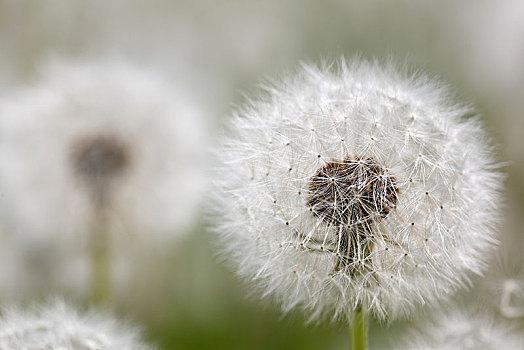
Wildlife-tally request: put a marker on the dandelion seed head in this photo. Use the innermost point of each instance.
(58, 326)
(99, 126)
(355, 184)
(97, 141)
(462, 328)
(502, 287)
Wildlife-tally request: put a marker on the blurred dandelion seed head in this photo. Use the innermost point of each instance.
(462, 328)
(501, 289)
(99, 127)
(58, 326)
(357, 184)
(98, 141)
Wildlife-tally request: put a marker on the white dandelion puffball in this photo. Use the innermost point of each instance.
(356, 186)
(463, 329)
(91, 135)
(58, 326)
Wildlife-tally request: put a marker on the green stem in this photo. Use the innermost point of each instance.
(358, 330)
(100, 262)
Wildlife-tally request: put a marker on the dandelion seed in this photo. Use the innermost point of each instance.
(58, 326)
(399, 209)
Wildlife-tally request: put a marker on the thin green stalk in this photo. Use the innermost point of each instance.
(100, 262)
(358, 330)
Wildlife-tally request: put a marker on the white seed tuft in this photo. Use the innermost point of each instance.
(356, 184)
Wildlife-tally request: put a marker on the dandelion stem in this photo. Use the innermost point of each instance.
(100, 261)
(358, 330)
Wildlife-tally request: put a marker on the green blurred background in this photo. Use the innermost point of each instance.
(184, 296)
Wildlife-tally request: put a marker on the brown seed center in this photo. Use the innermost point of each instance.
(352, 192)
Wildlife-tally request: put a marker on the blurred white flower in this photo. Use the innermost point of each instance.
(58, 326)
(357, 185)
(462, 329)
(501, 289)
(99, 141)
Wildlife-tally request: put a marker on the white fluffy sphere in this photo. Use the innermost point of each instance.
(147, 118)
(98, 141)
(356, 185)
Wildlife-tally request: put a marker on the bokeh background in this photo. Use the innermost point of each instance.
(183, 295)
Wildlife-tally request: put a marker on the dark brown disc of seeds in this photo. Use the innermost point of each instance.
(352, 192)
(97, 160)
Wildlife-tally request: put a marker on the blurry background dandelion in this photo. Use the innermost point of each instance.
(462, 327)
(220, 48)
(98, 154)
(58, 325)
(501, 291)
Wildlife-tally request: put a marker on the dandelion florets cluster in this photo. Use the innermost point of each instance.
(350, 195)
(356, 185)
(58, 326)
